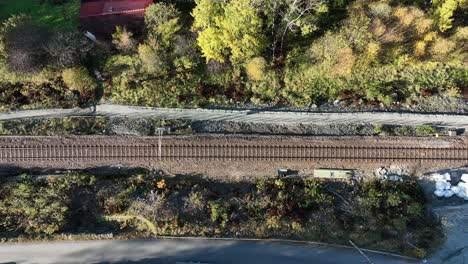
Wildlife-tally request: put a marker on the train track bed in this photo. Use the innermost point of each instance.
(233, 155)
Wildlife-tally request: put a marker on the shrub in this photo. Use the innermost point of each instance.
(218, 213)
(153, 61)
(425, 130)
(67, 49)
(380, 9)
(123, 40)
(255, 68)
(80, 80)
(441, 48)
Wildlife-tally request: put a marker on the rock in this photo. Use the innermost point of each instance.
(437, 177)
(440, 186)
(455, 189)
(383, 171)
(447, 185)
(447, 176)
(464, 177)
(448, 193)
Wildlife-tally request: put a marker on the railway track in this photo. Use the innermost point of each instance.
(228, 152)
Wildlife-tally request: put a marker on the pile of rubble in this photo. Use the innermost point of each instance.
(444, 187)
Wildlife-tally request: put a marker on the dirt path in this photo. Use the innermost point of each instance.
(252, 116)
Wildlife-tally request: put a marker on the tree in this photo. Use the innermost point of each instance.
(21, 44)
(285, 16)
(228, 30)
(67, 49)
(162, 22)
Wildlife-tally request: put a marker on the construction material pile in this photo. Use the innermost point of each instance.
(444, 187)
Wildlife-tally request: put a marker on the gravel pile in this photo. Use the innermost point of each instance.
(228, 127)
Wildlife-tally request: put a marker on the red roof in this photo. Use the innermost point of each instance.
(113, 7)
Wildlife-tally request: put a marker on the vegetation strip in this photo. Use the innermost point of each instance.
(310, 55)
(382, 216)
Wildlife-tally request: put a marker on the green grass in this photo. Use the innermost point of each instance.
(55, 17)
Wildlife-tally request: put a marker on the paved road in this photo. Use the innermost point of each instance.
(453, 121)
(171, 251)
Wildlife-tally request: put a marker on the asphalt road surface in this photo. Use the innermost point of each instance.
(254, 116)
(172, 251)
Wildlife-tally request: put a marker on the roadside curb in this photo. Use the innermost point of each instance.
(272, 240)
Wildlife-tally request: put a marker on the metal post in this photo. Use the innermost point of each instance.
(160, 134)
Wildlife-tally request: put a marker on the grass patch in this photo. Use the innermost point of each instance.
(89, 125)
(57, 17)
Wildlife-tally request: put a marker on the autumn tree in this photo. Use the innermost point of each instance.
(444, 12)
(228, 30)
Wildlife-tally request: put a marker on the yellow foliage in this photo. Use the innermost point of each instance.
(161, 184)
(373, 49)
(453, 92)
(423, 25)
(345, 62)
(430, 36)
(461, 34)
(79, 79)
(420, 48)
(255, 68)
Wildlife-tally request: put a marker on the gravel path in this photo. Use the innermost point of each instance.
(253, 116)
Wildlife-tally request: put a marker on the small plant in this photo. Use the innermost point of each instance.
(161, 184)
(378, 129)
(425, 130)
(218, 213)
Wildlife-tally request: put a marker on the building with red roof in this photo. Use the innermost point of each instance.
(102, 16)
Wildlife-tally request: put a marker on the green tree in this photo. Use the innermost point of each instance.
(162, 23)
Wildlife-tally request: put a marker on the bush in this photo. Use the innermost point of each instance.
(153, 61)
(68, 49)
(425, 130)
(80, 80)
(255, 68)
(123, 40)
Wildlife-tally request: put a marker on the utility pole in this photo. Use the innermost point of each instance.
(160, 134)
